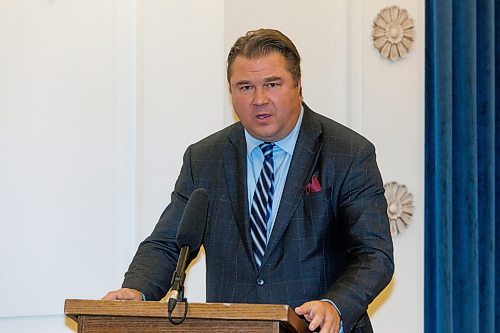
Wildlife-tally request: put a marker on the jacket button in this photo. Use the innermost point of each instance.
(260, 282)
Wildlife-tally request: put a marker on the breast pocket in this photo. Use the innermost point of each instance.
(318, 206)
(318, 212)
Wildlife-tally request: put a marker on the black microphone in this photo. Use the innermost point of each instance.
(189, 238)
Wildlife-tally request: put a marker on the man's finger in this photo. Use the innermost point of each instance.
(110, 296)
(328, 325)
(317, 321)
(122, 294)
(303, 309)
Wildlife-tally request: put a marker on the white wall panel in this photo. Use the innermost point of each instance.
(181, 101)
(393, 119)
(62, 166)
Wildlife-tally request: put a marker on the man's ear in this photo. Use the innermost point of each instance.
(299, 86)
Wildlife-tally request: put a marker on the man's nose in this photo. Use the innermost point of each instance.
(260, 97)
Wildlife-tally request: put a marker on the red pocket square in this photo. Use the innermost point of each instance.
(314, 186)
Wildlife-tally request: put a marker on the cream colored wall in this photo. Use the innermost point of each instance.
(99, 99)
(392, 117)
(65, 169)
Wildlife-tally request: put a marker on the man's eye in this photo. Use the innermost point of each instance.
(245, 88)
(272, 84)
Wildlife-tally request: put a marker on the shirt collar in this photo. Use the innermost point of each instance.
(287, 143)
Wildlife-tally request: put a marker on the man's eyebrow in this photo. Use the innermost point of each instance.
(242, 82)
(273, 78)
(267, 79)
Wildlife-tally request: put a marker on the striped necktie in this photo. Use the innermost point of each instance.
(262, 203)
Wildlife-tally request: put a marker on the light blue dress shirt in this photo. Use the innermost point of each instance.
(282, 156)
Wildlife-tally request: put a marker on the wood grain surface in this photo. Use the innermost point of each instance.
(136, 316)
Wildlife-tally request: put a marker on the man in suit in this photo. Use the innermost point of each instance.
(297, 213)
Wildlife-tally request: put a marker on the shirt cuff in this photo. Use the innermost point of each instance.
(144, 297)
(341, 330)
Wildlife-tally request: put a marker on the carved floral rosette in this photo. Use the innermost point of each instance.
(393, 33)
(399, 207)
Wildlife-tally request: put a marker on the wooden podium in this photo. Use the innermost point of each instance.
(136, 316)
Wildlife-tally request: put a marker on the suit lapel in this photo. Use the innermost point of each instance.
(235, 166)
(304, 158)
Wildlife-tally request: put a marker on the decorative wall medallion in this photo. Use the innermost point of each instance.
(399, 207)
(393, 32)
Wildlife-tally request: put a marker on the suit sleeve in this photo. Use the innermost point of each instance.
(363, 215)
(154, 262)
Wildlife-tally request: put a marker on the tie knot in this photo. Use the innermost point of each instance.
(267, 149)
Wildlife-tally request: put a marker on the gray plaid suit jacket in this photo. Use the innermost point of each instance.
(334, 244)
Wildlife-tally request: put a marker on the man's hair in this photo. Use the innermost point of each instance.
(263, 42)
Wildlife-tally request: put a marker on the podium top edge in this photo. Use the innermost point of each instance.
(235, 311)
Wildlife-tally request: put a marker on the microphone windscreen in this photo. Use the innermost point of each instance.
(193, 221)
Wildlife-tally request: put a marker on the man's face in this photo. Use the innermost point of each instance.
(265, 96)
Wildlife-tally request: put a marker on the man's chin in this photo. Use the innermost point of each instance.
(264, 136)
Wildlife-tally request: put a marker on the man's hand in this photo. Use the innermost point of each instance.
(320, 314)
(123, 294)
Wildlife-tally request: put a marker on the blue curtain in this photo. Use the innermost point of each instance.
(462, 241)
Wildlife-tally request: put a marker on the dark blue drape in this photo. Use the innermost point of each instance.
(462, 242)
